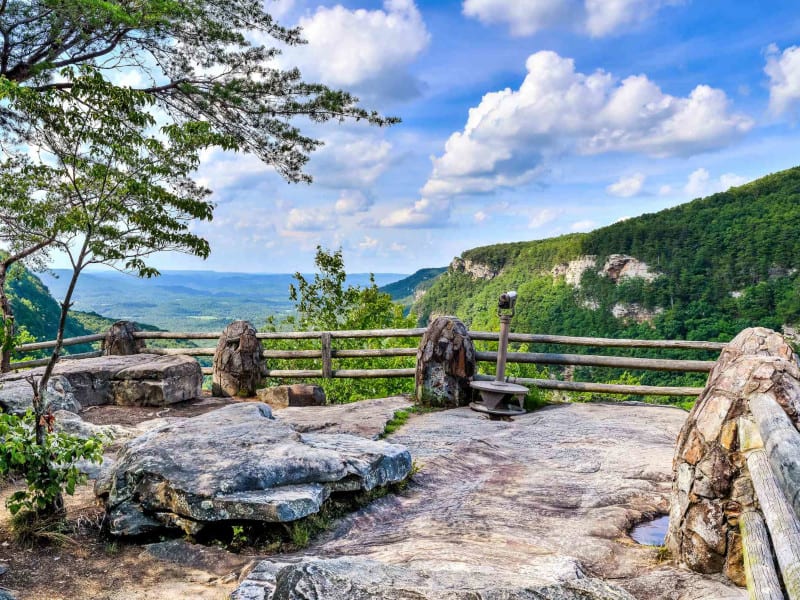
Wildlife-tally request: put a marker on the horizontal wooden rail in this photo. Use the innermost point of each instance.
(605, 388)
(592, 360)
(40, 362)
(536, 338)
(176, 335)
(73, 341)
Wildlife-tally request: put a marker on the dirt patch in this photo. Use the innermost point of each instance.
(133, 415)
(93, 566)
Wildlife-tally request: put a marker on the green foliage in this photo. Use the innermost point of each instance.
(403, 291)
(728, 262)
(399, 419)
(326, 304)
(36, 311)
(49, 469)
(195, 59)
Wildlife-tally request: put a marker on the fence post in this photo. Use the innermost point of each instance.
(445, 363)
(327, 355)
(238, 361)
(119, 340)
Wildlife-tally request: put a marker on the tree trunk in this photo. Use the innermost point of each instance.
(7, 324)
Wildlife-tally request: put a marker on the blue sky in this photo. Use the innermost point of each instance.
(522, 120)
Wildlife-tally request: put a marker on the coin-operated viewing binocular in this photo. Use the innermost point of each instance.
(507, 302)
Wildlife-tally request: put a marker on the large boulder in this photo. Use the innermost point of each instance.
(137, 380)
(361, 579)
(445, 363)
(237, 463)
(711, 485)
(238, 361)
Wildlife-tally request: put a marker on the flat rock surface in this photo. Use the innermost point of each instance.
(135, 380)
(235, 463)
(544, 500)
(367, 418)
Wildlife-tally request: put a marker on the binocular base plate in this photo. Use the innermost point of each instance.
(503, 410)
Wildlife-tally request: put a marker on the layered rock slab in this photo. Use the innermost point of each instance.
(360, 579)
(136, 380)
(539, 501)
(237, 463)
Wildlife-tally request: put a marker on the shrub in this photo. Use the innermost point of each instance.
(49, 469)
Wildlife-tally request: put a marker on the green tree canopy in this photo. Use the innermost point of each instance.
(195, 58)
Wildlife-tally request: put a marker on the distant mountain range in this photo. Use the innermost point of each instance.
(187, 300)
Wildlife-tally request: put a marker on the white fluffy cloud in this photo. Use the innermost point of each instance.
(309, 219)
(783, 69)
(362, 49)
(511, 134)
(701, 184)
(423, 213)
(627, 187)
(543, 217)
(351, 202)
(597, 17)
(350, 160)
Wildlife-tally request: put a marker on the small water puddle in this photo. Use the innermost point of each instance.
(651, 533)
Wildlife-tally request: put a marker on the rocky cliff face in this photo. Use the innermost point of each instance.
(475, 269)
(616, 268)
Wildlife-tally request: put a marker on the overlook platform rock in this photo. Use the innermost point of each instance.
(237, 463)
(537, 507)
(135, 380)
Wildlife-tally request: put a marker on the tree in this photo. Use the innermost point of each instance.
(123, 188)
(326, 303)
(195, 60)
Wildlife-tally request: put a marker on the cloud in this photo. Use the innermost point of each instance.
(543, 217)
(368, 243)
(424, 213)
(309, 219)
(585, 225)
(350, 160)
(351, 202)
(365, 50)
(510, 137)
(596, 17)
(627, 187)
(701, 184)
(480, 216)
(784, 79)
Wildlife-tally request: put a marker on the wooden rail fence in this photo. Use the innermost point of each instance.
(771, 445)
(327, 354)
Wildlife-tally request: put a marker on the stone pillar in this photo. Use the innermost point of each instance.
(711, 485)
(238, 361)
(445, 364)
(120, 341)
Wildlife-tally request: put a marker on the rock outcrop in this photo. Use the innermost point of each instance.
(360, 579)
(635, 312)
(712, 486)
(238, 362)
(237, 463)
(136, 380)
(445, 363)
(574, 269)
(527, 507)
(476, 270)
(622, 266)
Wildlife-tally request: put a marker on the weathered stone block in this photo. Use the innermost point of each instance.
(299, 394)
(445, 364)
(120, 340)
(238, 362)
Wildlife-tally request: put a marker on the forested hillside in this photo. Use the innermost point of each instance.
(702, 270)
(36, 310)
